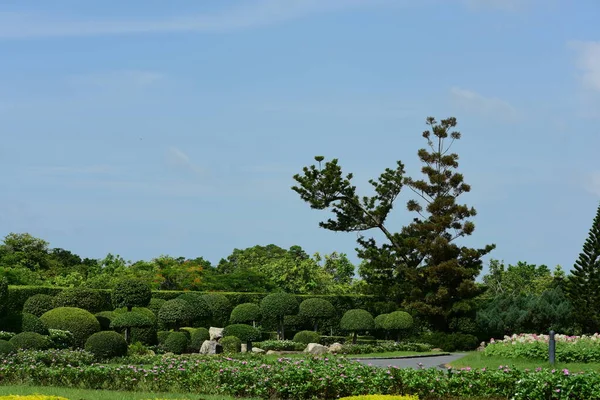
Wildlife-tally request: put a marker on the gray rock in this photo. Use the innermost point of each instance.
(257, 350)
(211, 347)
(316, 349)
(215, 333)
(335, 348)
(244, 348)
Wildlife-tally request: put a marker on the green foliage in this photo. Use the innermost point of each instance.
(162, 336)
(132, 319)
(81, 323)
(246, 333)
(276, 306)
(106, 344)
(357, 320)
(245, 313)
(219, 307)
(316, 309)
(384, 347)
(131, 293)
(582, 286)
(30, 341)
(197, 337)
(146, 336)
(398, 320)
(155, 305)
(3, 294)
(104, 318)
(451, 341)
(176, 342)
(60, 339)
(379, 320)
(520, 279)
(280, 345)
(231, 344)
(38, 304)
(176, 312)
(87, 299)
(200, 309)
(307, 337)
(23, 322)
(6, 348)
(18, 295)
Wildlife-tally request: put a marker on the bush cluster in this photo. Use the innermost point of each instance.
(131, 293)
(245, 313)
(280, 345)
(81, 323)
(38, 304)
(176, 342)
(6, 348)
(23, 322)
(451, 341)
(307, 337)
(106, 344)
(88, 299)
(30, 341)
(246, 333)
(197, 337)
(231, 344)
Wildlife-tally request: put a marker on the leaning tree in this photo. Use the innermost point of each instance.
(420, 265)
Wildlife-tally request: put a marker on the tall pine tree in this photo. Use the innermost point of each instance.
(583, 286)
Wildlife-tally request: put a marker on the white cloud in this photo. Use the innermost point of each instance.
(120, 79)
(178, 157)
(588, 62)
(473, 102)
(243, 16)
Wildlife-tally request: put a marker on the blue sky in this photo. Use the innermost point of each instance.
(148, 127)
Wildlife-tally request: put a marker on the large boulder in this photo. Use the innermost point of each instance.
(257, 350)
(335, 348)
(211, 347)
(215, 333)
(316, 349)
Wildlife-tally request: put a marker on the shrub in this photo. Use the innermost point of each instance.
(104, 318)
(276, 306)
(81, 323)
(379, 321)
(316, 309)
(198, 306)
(131, 293)
(198, 336)
(357, 320)
(176, 312)
(231, 344)
(3, 294)
(246, 333)
(6, 335)
(380, 397)
(219, 307)
(132, 319)
(23, 322)
(38, 304)
(398, 321)
(6, 348)
(176, 342)
(307, 337)
(30, 341)
(155, 305)
(162, 336)
(106, 344)
(451, 341)
(146, 336)
(245, 313)
(87, 299)
(61, 339)
(280, 345)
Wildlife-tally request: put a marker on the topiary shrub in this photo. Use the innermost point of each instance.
(200, 309)
(246, 333)
(6, 348)
(30, 341)
(219, 307)
(81, 323)
(176, 342)
(106, 344)
(131, 319)
(198, 336)
(131, 293)
(175, 313)
(87, 299)
(307, 337)
(276, 306)
(246, 313)
(104, 318)
(316, 310)
(23, 322)
(3, 294)
(38, 304)
(397, 322)
(146, 336)
(355, 321)
(231, 344)
(155, 305)
(162, 336)
(60, 339)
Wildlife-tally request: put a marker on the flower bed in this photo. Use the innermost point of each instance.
(582, 349)
(315, 378)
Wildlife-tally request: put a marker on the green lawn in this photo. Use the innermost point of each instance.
(81, 394)
(477, 360)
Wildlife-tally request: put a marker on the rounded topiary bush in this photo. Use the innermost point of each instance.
(38, 304)
(315, 310)
(379, 320)
(30, 341)
(199, 306)
(23, 322)
(88, 299)
(146, 336)
(106, 344)
(131, 319)
(176, 342)
(231, 344)
(131, 293)
(6, 348)
(276, 306)
(357, 320)
(175, 313)
(104, 318)
(162, 336)
(198, 336)
(398, 321)
(246, 333)
(81, 323)
(219, 306)
(307, 337)
(245, 313)
(155, 305)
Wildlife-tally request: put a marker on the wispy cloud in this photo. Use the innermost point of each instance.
(588, 63)
(129, 78)
(474, 102)
(178, 157)
(245, 15)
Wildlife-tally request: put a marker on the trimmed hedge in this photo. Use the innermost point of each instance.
(219, 306)
(307, 337)
(23, 322)
(88, 299)
(106, 344)
(81, 323)
(198, 336)
(132, 319)
(231, 344)
(6, 347)
(245, 313)
(131, 293)
(175, 313)
(246, 333)
(105, 318)
(3, 294)
(162, 336)
(30, 341)
(200, 308)
(38, 304)
(176, 342)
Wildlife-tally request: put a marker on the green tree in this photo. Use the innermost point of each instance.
(421, 266)
(522, 278)
(582, 286)
(25, 250)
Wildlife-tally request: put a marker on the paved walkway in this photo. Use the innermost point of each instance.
(428, 362)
